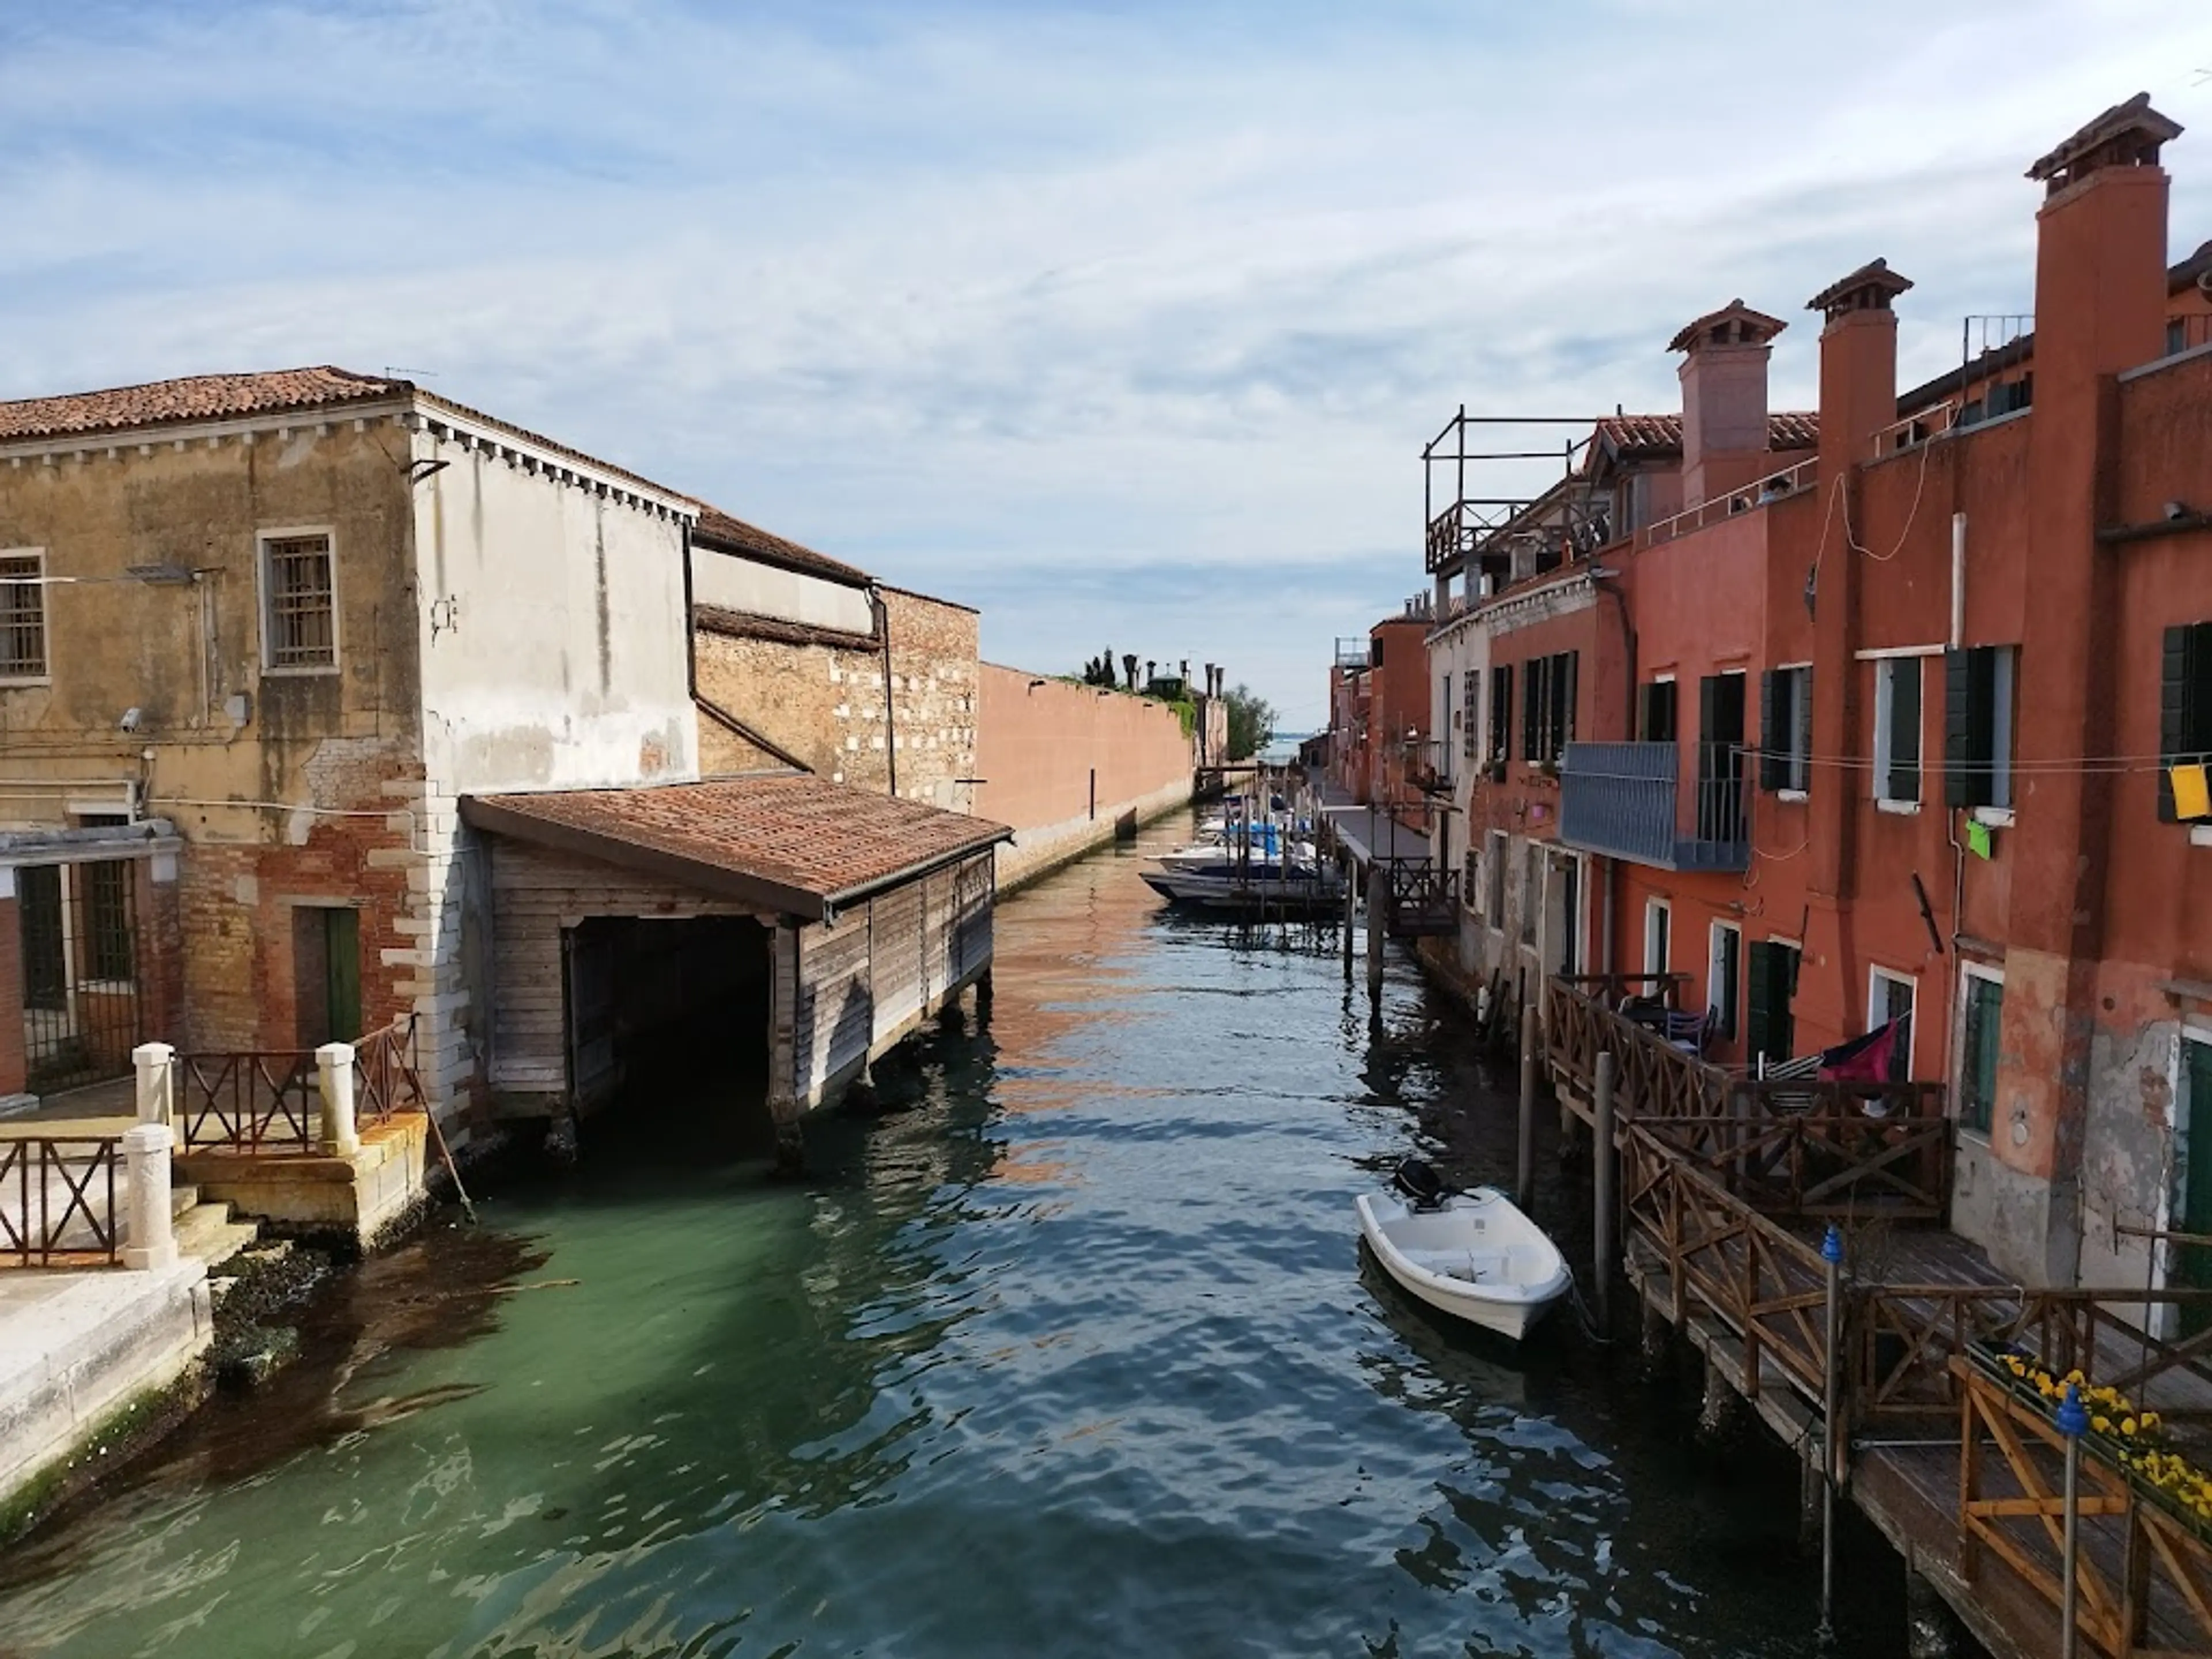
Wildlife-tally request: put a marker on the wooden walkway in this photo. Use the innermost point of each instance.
(1727, 1186)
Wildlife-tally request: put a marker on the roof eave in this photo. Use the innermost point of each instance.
(490, 813)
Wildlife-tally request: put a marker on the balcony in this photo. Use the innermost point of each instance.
(1624, 800)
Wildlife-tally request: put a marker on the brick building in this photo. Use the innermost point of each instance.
(1887, 714)
(274, 641)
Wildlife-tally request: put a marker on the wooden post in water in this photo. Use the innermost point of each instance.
(1601, 1185)
(1378, 901)
(1524, 1181)
(1351, 911)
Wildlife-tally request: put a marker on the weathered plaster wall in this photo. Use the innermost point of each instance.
(1062, 764)
(730, 582)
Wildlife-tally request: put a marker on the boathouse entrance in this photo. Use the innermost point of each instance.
(669, 1012)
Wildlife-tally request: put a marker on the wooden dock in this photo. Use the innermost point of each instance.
(1729, 1185)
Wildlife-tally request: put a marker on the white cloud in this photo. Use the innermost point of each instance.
(990, 298)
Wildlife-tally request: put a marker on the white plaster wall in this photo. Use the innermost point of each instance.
(762, 590)
(1455, 651)
(554, 644)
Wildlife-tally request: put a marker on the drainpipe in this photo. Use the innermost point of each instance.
(1958, 581)
(691, 631)
(883, 613)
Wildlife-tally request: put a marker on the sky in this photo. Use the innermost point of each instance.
(1125, 323)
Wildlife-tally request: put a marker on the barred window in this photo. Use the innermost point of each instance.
(22, 616)
(297, 592)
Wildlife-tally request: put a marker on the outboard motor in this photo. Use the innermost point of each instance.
(1423, 1187)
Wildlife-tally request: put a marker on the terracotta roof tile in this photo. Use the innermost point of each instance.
(720, 530)
(1650, 436)
(790, 842)
(197, 398)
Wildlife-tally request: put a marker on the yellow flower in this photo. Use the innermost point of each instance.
(2102, 1424)
(2043, 1387)
(2127, 1425)
(2150, 1421)
(2076, 1377)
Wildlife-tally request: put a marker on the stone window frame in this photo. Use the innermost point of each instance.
(1876, 975)
(44, 674)
(264, 595)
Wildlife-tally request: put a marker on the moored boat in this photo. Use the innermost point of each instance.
(1473, 1255)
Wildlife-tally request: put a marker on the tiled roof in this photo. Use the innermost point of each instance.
(197, 398)
(791, 842)
(1648, 436)
(718, 529)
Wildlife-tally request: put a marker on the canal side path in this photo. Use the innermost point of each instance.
(1068, 1348)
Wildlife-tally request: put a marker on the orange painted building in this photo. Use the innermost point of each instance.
(1880, 729)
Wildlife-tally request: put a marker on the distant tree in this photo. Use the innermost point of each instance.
(1251, 722)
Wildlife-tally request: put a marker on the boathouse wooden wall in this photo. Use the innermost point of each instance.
(856, 985)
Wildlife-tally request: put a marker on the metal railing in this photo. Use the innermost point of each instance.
(269, 1100)
(57, 1200)
(1914, 430)
(1774, 487)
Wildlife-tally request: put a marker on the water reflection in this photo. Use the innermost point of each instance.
(1065, 1348)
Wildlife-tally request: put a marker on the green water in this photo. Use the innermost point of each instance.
(1068, 1351)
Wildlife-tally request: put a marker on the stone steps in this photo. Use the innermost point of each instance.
(207, 1233)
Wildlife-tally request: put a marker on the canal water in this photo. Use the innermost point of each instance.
(1066, 1349)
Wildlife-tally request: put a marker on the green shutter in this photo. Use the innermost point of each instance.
(1565, 715)
(1904, 729)
(1773, 740)
(1532, 709)
(342, 938)
(2174, 676)
(1959, 786)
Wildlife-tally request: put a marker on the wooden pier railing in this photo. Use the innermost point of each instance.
(2143, 1567)
(1799, 1148)
(57, 1200)
(256, 1101)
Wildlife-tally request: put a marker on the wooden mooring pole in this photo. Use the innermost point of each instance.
(1378, 900)
(1524, 1183)
(1351, 911)
(1831, 1253)
(1602, 1189)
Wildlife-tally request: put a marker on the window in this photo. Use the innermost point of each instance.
(1494, 888)
(1981, 1005)
(22, 616)
(1785, 729)
(1501, 717)
(1889, 997)
(1532, 890)
(1771, 1023)
(1470, 736)
(1547, 711)
(110, 953)
(1657, 919)
(1654, 712)
(2184, 711)
(299, 608)
(1897, 730)
(1720, 758)
(1723, 978)
(1374, 651)
(1977, 725)
(1469, 886)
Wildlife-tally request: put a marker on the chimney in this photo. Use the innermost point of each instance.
(2100, 248)
(1723, 376)
(1858, 364)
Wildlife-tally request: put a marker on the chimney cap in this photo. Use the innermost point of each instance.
(1870, 288)
(2126, 134)
(1734, 324)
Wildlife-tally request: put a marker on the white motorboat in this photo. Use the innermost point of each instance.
(1232, 856)
(1474, 1256)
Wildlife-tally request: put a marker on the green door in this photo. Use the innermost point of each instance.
(2192, 1264)
(342, 970)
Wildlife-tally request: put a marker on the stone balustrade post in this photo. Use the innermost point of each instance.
(156, 1064)
(334, 1073)
(152, 1240)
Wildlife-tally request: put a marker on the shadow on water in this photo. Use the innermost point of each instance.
(1065, 1345)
